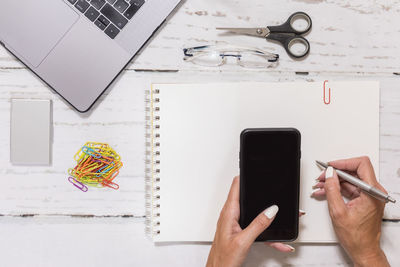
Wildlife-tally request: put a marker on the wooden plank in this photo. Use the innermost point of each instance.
(119, 120)
(357, 36)
(66, 241)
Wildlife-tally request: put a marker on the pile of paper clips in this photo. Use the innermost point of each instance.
(97, 166)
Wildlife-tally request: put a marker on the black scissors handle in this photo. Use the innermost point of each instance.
(289, 36)
(289, 42)
(288, 27)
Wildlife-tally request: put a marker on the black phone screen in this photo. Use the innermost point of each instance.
(270, 174)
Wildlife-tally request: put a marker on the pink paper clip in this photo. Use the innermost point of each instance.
(327, 100)
(78, 184)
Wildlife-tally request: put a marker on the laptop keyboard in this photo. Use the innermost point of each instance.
(109, 16)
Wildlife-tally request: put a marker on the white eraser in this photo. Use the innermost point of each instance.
(30, 132)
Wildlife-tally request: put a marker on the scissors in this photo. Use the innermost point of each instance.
(287, 34)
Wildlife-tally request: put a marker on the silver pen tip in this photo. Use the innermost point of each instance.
(391, 199)
(321, 164)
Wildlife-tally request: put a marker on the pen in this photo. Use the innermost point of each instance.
(376, 193)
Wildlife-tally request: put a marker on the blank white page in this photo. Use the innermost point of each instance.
(200, 126)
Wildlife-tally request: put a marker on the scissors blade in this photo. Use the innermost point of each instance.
(259, 32)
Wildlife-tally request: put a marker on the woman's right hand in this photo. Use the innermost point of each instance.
(357, 223)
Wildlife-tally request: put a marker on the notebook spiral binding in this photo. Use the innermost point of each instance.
(152, 162)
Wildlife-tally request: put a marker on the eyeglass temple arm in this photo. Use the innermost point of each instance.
(186, 51)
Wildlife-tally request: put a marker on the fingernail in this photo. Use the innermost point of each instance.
(271, 211)
(315, 186)
(320, 175)
(312, 193)
(303, 212)
(292, 249)
(329, 173)
(315, 191)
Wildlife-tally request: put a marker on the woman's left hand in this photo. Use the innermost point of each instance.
(232, 243)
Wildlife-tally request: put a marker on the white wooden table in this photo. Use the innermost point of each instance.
(45, 221)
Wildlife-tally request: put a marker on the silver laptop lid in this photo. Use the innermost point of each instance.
(34, 34)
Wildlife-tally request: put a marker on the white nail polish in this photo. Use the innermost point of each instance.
(291, 248)
(302, 212)
(329, 173)
(314, 191)
(271, 211)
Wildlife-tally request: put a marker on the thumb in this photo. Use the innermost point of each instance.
(259, 224)
(336, 205)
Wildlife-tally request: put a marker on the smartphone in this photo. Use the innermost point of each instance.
(270, 175)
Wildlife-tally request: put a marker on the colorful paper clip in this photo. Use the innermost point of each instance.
(327, 94)
(97, 166)
(78, 184)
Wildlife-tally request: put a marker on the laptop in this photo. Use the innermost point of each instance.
(78, 47)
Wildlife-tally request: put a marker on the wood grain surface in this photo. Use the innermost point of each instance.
(54, 224)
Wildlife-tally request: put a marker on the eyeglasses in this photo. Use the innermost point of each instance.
(214, 56)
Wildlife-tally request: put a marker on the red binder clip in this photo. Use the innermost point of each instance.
(327, 94)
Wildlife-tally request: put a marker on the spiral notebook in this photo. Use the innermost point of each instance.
(193, 146)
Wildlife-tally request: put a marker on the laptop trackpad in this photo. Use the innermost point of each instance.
(32, 28)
